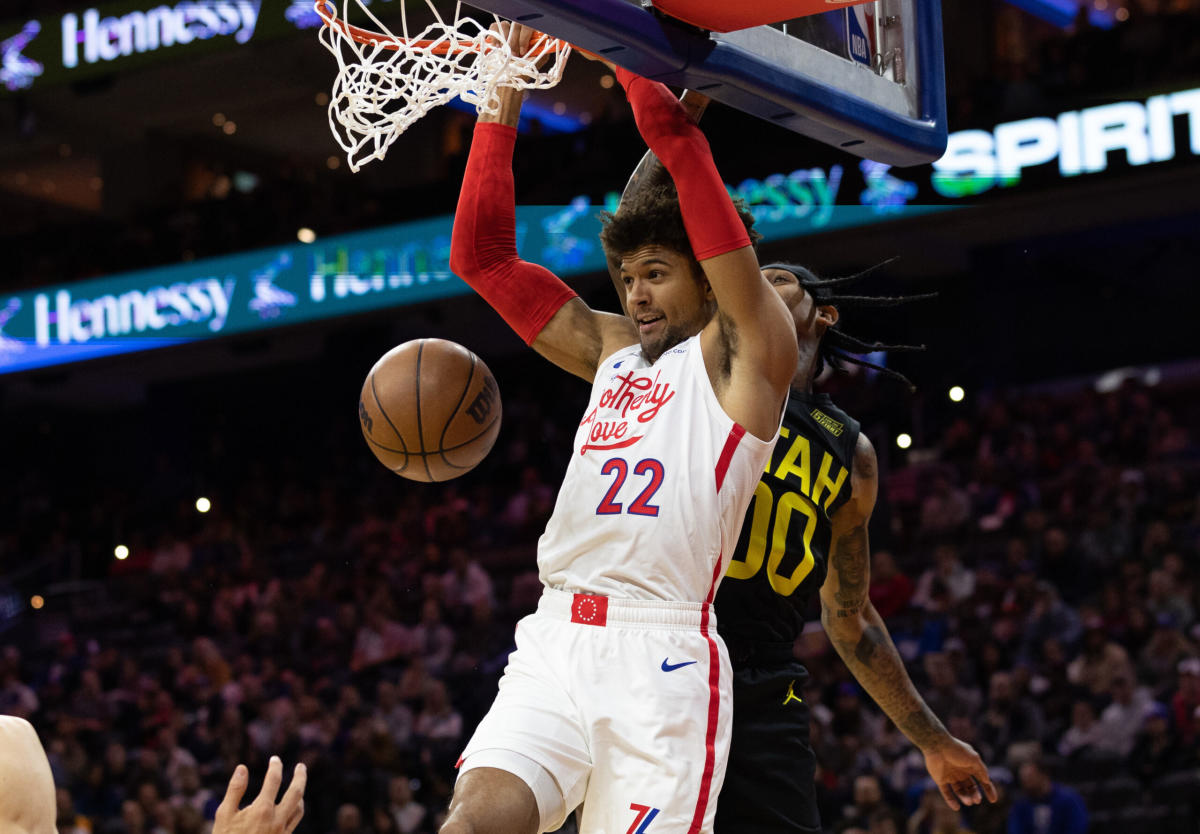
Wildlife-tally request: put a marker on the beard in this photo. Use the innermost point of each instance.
(671, 335)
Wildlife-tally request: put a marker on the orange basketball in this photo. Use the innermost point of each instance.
(430, 410)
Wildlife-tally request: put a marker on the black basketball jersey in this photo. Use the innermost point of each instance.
(783, 549)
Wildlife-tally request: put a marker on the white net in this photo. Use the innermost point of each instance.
(391, 80)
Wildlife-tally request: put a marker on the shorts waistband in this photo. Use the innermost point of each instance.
(593, 609)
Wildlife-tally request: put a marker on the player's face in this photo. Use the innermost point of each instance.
(666, 299)
(809, 318)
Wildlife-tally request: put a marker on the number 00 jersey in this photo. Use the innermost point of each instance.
(657, 487)
(781, 555)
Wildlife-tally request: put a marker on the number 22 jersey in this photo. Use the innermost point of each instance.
(658, 484)
(781, 555)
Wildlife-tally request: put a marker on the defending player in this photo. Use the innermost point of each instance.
(807, 530)
(618, 694)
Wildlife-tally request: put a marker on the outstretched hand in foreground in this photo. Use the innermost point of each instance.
(263, 815)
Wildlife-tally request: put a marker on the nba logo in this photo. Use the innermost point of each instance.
(860, 31)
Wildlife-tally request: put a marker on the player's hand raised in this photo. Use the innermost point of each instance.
(957, 768)
(263, 815)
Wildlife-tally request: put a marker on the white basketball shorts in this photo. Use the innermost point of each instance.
(621, 706)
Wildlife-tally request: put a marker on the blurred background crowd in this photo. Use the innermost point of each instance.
(1035, 542)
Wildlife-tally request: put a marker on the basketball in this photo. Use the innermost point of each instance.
(430, 410)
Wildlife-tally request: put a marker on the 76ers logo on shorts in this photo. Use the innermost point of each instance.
(645, 815)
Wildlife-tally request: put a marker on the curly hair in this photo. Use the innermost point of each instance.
(651, 216)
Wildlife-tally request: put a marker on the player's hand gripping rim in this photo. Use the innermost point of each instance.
(263, 815)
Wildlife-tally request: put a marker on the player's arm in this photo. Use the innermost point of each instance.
(534, 302)
(650, 173)
(753, 334)
(26, 783)
(860, 636)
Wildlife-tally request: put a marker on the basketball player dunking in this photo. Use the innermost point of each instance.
(807, 532)
(617, 697)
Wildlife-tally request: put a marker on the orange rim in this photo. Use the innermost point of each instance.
(328, 13)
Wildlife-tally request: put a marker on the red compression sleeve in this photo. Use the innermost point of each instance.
(483, 244)
(712, 223)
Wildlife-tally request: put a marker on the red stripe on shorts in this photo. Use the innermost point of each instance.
(731, 443)
(714, 656)
(710, 735)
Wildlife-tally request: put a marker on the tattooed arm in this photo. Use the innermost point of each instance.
(859, 635)
(649, 173)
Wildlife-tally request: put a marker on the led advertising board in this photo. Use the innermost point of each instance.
(388, 267)
(114, 37)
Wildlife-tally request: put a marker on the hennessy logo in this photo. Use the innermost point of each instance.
(481, 406)
(365, 417)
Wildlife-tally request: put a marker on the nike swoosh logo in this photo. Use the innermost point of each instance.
(671, 667)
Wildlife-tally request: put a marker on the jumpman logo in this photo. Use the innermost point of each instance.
(792, 696)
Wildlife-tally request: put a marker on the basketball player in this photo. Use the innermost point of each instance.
(807, 530)
(617, 697)
(27, 800)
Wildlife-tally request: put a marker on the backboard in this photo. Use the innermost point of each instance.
(866, 78)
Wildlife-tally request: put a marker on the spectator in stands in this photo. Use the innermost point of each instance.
(432, 638)
(1085, 737)
(1100, 662)
(1044, 806)
(390, 711)
(890, 589)
(1162, 653)
(466, 584)
(1122, 718)
(439, 728)
(379, 640)
(945, 508)
(16, 697)
(349, 820)
(934, 816)
(945, 695)
(1185, 703)
(1156, 752)
(406, 811)
(867, 798)
(1049, 617)
(1009, 718)
(947, 573)
(1168, 600)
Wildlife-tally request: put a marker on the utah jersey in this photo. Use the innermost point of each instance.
(657, 486)
(783, 550)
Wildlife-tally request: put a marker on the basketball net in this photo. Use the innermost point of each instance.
(386, 81)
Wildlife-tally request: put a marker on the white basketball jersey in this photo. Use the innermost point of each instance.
(658, 485)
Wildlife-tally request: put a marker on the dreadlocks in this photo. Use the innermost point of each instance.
(837, 346)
